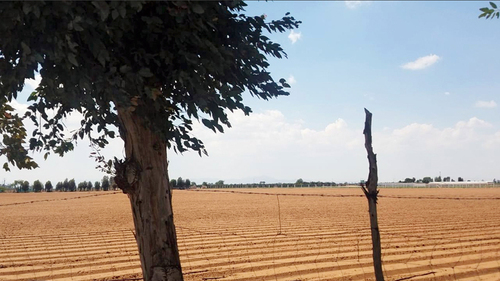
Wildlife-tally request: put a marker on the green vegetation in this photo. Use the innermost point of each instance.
(180, 183)
(25, 186)
(37, 186)
(48, 186)
(105, 183)
(97, 186)
(490, 12)
(65, 186)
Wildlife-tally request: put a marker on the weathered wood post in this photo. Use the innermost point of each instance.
(371, 193)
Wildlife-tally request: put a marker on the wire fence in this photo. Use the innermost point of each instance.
(252, 235)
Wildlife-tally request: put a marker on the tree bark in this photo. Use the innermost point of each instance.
(371, 193)
(143, 176)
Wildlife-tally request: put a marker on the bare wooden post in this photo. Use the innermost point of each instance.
(371, 193)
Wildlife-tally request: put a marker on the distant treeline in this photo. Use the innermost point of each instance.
(298, 183)
(436, 179)
(104, 184)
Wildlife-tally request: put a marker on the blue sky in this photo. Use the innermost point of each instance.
(428, 71)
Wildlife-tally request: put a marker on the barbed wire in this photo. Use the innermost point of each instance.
(60, 199)
(343, 195)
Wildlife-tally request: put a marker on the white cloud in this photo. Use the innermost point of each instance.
(294, 37)
(33, 83)
(355, 4)
(421, 63)
(425, 137)
(268, 144)
(291, 80)
(352, 4)
(447, 93)
(486, 104)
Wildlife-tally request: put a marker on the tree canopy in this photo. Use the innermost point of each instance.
(169, 62)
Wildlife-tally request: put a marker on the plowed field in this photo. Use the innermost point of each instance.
(285, 234)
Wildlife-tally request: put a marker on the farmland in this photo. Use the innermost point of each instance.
(285, 234)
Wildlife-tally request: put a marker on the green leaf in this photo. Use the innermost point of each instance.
(485, 9)
(198, 9)
(38, 57)
(33, 96)
(208, 124)
(125, 68)
(103, 8)
(493, 5)
(46, 155)
(145, 72)
(26, 9)
(122, 10)
(114, 14)
(26, 48)
(103, 55)
(72, 59)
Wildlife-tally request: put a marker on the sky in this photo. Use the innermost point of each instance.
(427, 70)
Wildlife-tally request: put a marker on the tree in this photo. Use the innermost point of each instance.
(299, 182)
(447, 179)
(48, 186)
(180, 182)
(72, 185)
(460, 179)
(82, 186)
(37, 186)
(97, 186)
(173, 183)
(25, 186)
(17, 185)
(89, 186)
(105, 183)
(409, 180)
(490, 12)
(427, 180)
(187, 183)
(66, 185)
(219, 183)
(59, 186)
(437, 179)
(146, 68)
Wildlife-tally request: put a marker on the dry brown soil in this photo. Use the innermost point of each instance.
(279, 234)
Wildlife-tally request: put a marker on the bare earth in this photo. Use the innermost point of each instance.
(312, 234)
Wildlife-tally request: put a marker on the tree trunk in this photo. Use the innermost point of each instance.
(371, 193)
(143, 176)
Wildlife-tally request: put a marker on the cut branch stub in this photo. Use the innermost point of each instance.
(127, 174)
